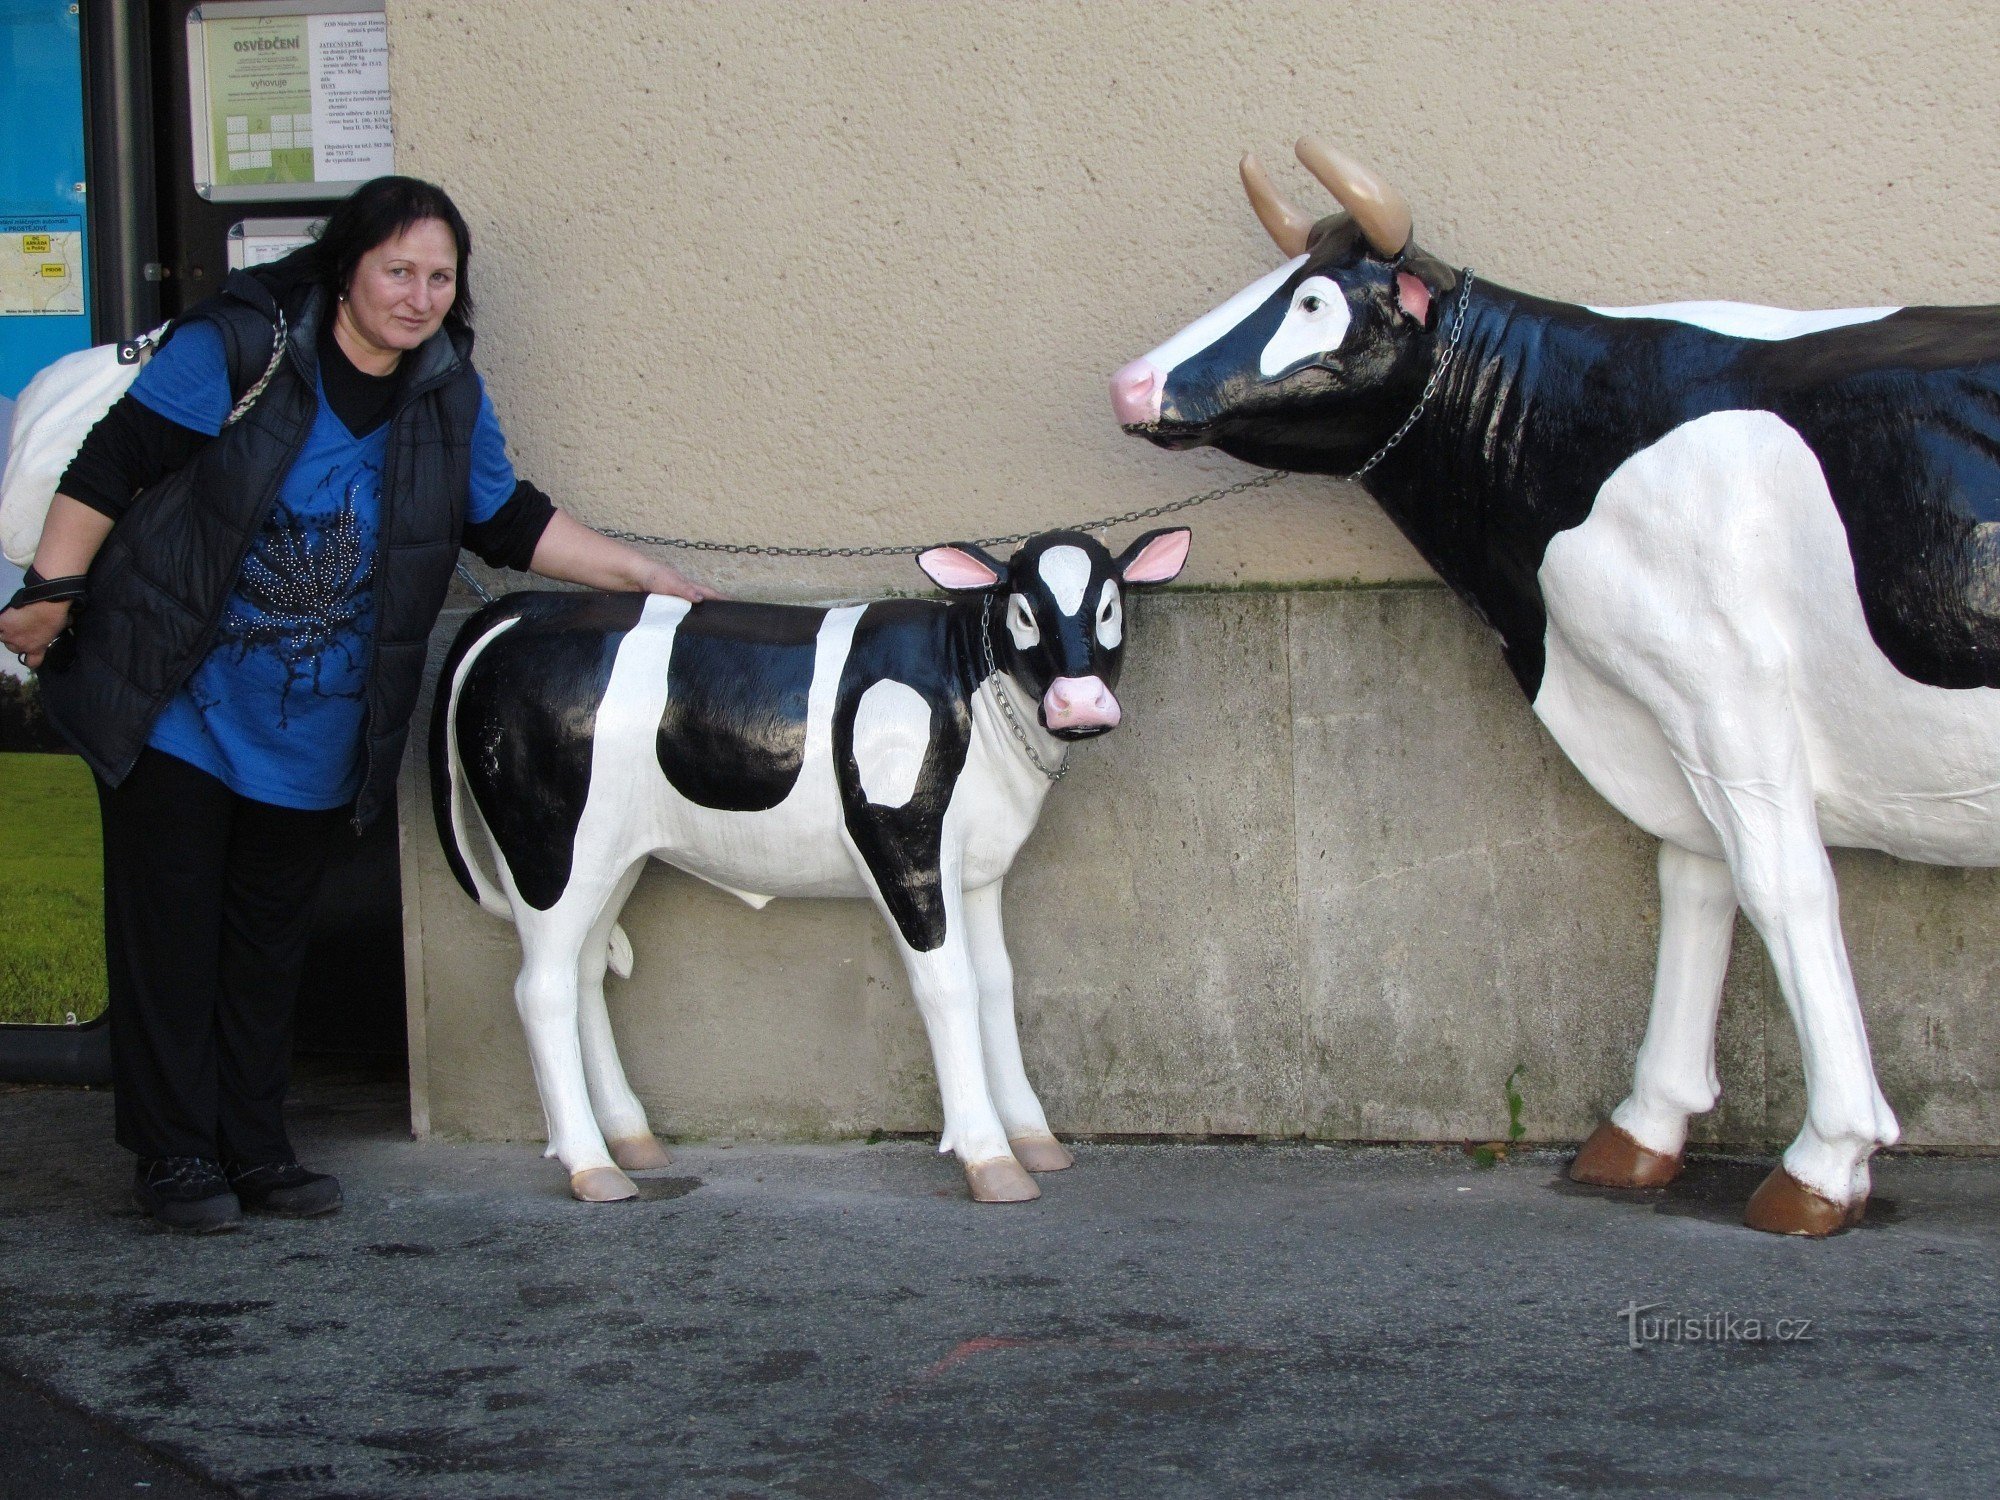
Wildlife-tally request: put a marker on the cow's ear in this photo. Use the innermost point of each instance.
(1414, 297)
(961, 567)
(1157, 557)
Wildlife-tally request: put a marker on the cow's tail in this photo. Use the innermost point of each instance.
(450, 805)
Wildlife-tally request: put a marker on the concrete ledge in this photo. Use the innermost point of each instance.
(1330, 880)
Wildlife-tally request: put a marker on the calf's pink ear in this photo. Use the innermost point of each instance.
(1157, 557)
(960, 567)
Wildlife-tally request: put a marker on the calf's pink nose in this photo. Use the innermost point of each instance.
(1080, 703)
(1135, 393)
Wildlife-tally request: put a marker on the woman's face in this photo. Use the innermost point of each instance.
(404, 286)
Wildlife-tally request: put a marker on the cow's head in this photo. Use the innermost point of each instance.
(1055, 615)
(1314, 365)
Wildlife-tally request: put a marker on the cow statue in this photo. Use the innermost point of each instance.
(1745, 563)
(899, 750)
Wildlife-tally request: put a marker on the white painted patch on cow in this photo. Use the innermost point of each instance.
(892, 732)
(1746, 320)
(1066, 571)
(1021, 623)
(1110, 617)
(1315, 324)
(1212, 325)
(1711, 672)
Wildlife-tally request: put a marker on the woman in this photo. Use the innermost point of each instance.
(240, 663)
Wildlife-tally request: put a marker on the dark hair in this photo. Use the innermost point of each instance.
(380, 210)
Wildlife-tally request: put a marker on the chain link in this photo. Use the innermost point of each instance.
(754, 549)
(1105, 523)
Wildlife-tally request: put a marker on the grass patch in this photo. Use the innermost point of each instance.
(51, 891)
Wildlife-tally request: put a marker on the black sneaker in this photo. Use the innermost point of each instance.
(284, 1187)
(186, 1192)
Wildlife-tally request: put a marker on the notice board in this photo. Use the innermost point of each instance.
(288, 99)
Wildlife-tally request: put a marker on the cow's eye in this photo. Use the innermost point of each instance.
(1312, 304)
(1021, 623)
(1110, 617)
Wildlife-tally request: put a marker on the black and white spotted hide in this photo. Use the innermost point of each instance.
(899, 751)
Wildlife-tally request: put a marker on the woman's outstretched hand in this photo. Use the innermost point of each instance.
(572, 552)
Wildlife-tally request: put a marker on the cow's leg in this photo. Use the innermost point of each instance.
(947, 994)
(1748, 769)
(620, 1115)
(1035, 1147)
(546, 996)
(1640, 1146)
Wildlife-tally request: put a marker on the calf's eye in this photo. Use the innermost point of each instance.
(1312, 304)
(1021, 623)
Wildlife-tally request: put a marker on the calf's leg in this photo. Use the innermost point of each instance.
(1028, 1133)
(947, 995)
(620, 1115)
(546, 996)
(1641, 1145)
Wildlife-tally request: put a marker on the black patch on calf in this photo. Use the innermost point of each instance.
(923, 645)
(733, 735)
(527, 719)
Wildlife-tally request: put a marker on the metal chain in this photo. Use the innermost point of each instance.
(754, 549)
(1431, 385)
(1000, 696)
(1105, 523)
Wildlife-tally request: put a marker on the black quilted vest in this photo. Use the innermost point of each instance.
(162, 580)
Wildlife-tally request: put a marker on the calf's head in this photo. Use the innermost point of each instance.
(1053, 615)
(1314, 365)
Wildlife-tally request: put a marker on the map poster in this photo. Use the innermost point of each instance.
(41, 265)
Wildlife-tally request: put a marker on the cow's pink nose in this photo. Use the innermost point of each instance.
(1080, 703)
(1135, 393)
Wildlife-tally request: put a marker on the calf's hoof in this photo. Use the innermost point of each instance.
(640, 1153)
(1611, 1158)
(1001, 1180)
(1784, 1205)
(1041, 1153)
(601, 1185)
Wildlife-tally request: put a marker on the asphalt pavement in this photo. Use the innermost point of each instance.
(1169, 1320)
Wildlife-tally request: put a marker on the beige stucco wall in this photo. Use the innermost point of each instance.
(856, 273)
(844, 273)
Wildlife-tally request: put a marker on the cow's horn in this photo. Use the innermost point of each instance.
(1381, 211)
(1285, 224)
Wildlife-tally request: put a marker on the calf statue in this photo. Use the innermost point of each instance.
(899, 751)
(1745, 563)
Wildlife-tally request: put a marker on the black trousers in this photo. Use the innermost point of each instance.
(208, 900)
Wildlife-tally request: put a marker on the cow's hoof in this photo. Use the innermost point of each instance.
(1784, 1205)
(640, 1153)
(1001, 1180)
(1611, 1158)
(1041, 1153)
(601, 1185)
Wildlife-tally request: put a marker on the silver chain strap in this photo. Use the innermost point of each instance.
(1431, 385)
(1006, 702)
(242, 408)
(1123, 518)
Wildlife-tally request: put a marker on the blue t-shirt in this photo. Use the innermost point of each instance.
(275, 709)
